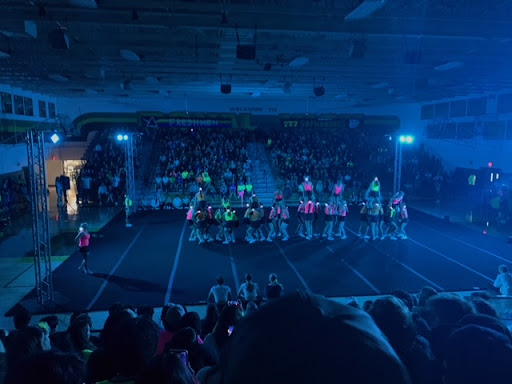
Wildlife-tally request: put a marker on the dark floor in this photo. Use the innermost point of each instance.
(153, 262)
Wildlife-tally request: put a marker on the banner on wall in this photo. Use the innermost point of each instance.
(315, 122)
(161, 121)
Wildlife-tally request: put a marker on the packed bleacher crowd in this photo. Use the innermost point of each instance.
(213, 159)
(102, 179)
(263, 336)
(321, 154)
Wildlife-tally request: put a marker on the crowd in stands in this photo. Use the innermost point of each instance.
(102, 179)
(214, 159)
(424, 338)
(14, 193)
(321, 155)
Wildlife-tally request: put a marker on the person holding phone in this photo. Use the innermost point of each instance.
(83, 238)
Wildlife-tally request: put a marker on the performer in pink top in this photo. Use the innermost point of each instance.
(82, 239)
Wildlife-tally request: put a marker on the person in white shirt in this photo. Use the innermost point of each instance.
(249, 292)
(219, 294)
(504, 281)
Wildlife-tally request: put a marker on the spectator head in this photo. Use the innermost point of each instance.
(486, 321)
(477, 354)
(173, 317)
(447, 308)
(137, 341)
(79, 333)
(503, 268)
(22, 343)
(146, 311)
(483, 307)
(367, 305)
(21, 318)
(272, 278)
(82, 316)
(52, 321)
(323, 342)
(395, 320)
(166, 368)
(405, 296)
(425, 294)
(220, 280)
(192, 320)
(248, 277)
(50, 367)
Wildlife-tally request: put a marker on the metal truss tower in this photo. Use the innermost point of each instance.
(131, 200)
(40, 216)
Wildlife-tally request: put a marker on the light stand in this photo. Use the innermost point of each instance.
(397, 174)
(129, 201)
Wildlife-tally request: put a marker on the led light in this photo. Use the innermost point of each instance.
(125, 137)
(120, 137)
(406, 139)
(54, 138)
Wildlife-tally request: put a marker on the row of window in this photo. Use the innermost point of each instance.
(24, 106)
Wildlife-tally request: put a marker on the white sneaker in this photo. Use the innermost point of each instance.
(225, 242)
(330, 238)
(343, 237)
(285, 238)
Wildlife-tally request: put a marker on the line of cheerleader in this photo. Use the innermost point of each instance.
(380, 222)
(266, 224)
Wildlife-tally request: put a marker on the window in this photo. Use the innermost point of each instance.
(29, 106)
(42, 108)
(51, 110)
(19, 108)
(6, 100)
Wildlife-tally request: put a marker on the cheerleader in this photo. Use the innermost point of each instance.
(191, 225)
(200, 219)
(342, 211)
(337, 192)
(229, 226)
(301, 227)
(272, 221)
(241, 192)
(329, 219)
(373, 211)
(373, 191)
(307, 186)
(309, 212)
(403, 219)
(285, 220)
(254, 225)
(363, 222)
(218, 217)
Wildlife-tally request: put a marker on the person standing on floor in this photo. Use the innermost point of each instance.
(83, 238)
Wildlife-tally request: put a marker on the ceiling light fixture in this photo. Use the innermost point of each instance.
(365, 9)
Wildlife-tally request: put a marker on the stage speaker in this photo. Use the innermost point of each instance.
(246, 51)
(319, 91)
(59, 39)
(357, 49)
(225, 89)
